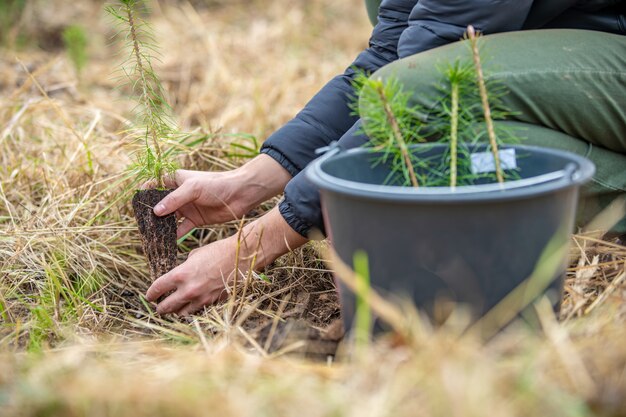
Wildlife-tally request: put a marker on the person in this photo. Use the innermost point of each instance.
(567, 89)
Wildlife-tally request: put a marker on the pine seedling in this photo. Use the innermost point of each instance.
(459, 76)
(454, 121)
(457, 119)
(480, 78)
(465, 102)
(155, 129)
(390, 123)
(156, 126)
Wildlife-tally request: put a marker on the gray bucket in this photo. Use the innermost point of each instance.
(473, 245)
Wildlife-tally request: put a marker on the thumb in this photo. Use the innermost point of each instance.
(175, 200)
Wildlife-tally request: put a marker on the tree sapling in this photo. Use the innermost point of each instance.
(155, 128)
(391, 125)
(466, 106)
(485, 102)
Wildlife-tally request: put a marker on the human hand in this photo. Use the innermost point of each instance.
(199, 281)
(205, 198)
(202, 198)
(203, 277)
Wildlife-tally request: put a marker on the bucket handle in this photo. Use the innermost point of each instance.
(328, 151)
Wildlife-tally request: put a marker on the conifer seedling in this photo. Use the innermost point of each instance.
(154, 129)
(466, 106)
(391, 125)
(484, 96)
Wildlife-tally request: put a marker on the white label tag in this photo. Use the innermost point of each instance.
(484, 162)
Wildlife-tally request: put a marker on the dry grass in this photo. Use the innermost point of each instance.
(76, 337)
(66, 224)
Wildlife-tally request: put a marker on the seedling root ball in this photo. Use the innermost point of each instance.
(158, 234)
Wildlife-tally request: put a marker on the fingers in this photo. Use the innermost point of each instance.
(168, 181)
(164, 285)
(197, 304)
(148, 185)
(175, 200)
(182, 175)
(161, 286)
(171, 182)
(190, 309)
(173, 303)
(185, 227)
(177, 179)
(195, 283)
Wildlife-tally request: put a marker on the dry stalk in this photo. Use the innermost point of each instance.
(275, 321)
(572, 362)
(63, 117)
(233, 296)
(614, 285)
(250, 270)
(205, 343)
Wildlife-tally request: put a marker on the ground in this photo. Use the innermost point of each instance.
(76, 336)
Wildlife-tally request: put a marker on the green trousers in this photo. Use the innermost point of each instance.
(567, 90)
(372, 10)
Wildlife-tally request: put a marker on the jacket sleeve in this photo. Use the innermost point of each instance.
(328, 115)
(301, 206)
(435, 23)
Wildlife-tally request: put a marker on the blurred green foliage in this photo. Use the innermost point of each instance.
(75, 41)
(10, 16)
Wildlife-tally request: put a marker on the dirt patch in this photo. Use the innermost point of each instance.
(310, 323)
(158, 234)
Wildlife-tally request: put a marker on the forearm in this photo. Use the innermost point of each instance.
(264, 240)
(261, 179)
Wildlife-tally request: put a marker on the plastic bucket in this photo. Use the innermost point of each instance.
(472, 245)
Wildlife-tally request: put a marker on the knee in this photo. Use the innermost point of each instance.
(420, 74)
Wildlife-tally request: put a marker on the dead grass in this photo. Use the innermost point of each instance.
(76, 337)
(66, 221)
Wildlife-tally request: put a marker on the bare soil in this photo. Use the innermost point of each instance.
(158, 234)
(312, 327)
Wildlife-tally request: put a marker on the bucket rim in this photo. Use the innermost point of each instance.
(580, 172)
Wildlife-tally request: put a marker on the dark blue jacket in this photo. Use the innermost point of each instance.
(407, 27)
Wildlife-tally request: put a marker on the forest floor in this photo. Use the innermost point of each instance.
(76, 335)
